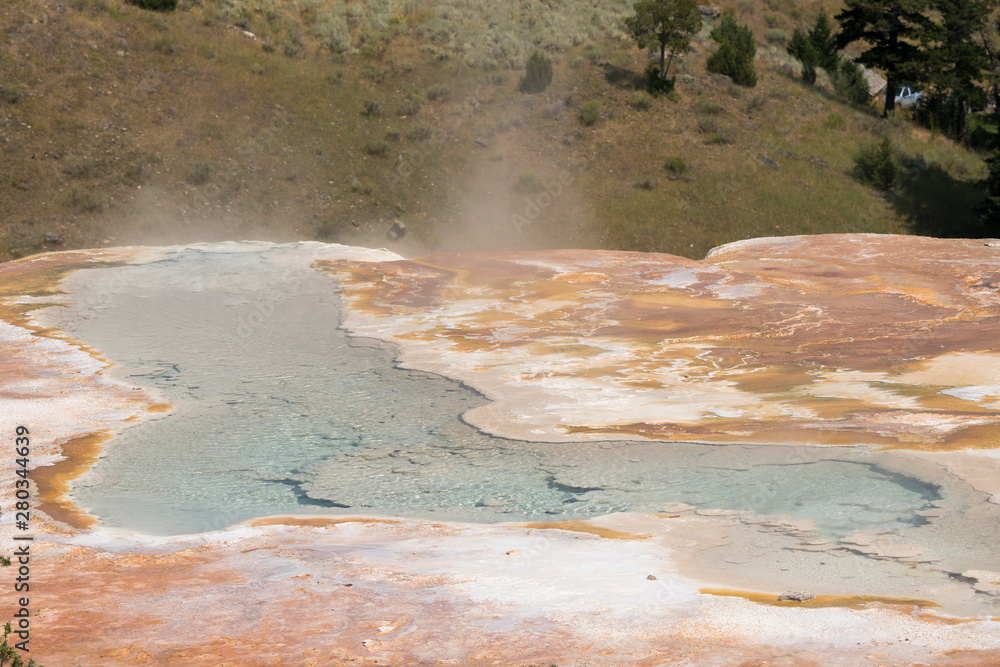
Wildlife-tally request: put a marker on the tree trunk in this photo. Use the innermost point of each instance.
(890, 98)
(960, 130)
(996, 112)
(663, 53)
(890, 83)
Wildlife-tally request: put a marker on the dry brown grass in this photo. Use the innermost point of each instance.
(135, 127)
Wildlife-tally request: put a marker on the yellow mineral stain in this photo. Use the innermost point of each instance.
(820, 601)
(984, 436)
(764, 432)
(771, 380)
(39, 276)
(457, 275)
(951, 620)
(53, 481)
(549, 292)
(645, 302)
(580, 277)
(160, 407)
(366, 285)
(584, 527)
(783, 433)
(572, 351)
(664, 326)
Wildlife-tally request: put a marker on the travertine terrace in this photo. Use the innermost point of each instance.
(869, 350)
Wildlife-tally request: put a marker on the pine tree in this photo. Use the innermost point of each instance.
(818, 48)
(10, 657)
(989, 37)
(824, 44)
(892, 29)
(849, 81)
(537, 74)
(668, 24)
(955, 59)
(800, 47)
(737, 49)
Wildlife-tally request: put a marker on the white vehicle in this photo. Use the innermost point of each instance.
(908, 97)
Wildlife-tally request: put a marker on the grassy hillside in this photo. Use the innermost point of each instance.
(277, 120)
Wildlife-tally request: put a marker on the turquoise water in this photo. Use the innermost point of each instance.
(277, 411)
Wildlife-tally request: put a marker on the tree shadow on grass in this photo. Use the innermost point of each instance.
(935, 204)
(622, 77)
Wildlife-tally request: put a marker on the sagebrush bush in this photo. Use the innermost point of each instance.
(326, 229)
(528, 182)
(332, 33)
(199, 173)
(675, 164)
(875, 164)
(834, 122)
(640, 100)
(362, 187)
(409, 107)
(377, 148)
(777, 36)
(79, 167)
(9, 95)
(709, 108)
(419, 133)
(537, 74)
(715, 133)
(293, 45)
(163, 45)
(232, 12)
(84, 200)
(438, 92)
(590, 113)
(371, 108)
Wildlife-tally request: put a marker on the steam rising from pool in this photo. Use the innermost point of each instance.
(278, 411)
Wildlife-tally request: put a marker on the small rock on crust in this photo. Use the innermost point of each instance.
(795, 596)
(650, 577)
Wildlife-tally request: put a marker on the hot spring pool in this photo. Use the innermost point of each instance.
(278, 411)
